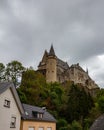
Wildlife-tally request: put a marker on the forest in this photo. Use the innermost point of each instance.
(69, 103)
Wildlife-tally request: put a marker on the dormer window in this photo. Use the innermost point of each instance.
(40, 115)
(7, 103)
(34, 114)
(37, 114)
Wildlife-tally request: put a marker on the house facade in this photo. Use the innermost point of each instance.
(10, 107)
(36, 118)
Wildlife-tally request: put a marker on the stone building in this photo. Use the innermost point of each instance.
(56, 70)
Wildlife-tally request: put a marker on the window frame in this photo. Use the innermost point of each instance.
(31, 127)
(13, 122)
(49, 128)
(7, 103)
(42, 128)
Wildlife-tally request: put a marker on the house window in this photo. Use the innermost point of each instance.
(40, 115)
(7, 103)
(13, 122)
(49, 128)
(41, 128)
(37, 114)
(31, 128)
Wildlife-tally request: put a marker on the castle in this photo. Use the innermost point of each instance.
(56, 70)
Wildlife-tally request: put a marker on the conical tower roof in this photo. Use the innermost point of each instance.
(45, 56)
(52, 52)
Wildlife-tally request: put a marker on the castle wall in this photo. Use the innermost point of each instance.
(77, 75)
(51, 69)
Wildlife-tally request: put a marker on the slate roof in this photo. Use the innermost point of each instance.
(29, 115)
(4, 86)
(98, 124)
(9, 85)
(62, 64)
(77, 66)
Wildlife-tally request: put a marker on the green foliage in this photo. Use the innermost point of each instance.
(14, 71)
(79, 104)
(2, 72)
(75, 126)
(62, 124)
(100, 93)
(32, 85)
(87, 123)
(22, 95)
(101, 104)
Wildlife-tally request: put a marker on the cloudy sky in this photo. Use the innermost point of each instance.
(74, 27)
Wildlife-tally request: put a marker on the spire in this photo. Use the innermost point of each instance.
(52, 52)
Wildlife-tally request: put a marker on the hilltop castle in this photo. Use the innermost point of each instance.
(56, 70)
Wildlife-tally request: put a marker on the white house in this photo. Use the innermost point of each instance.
(10, 107)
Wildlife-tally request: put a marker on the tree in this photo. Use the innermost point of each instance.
(101, 104)
(62, 124)
(32, 85)
(2, 72)
(79, 104)
(54, 98)
(14, 71)
(76, 126)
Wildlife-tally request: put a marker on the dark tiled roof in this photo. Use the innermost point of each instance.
(62, 64)
(98, 124)
(29, 115)
(9, 85)
(4, 86)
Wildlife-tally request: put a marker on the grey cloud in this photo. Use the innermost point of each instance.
(75, 27)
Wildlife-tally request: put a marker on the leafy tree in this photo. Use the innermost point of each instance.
(2, 72)
(100, 93)
(32, 85)
(76, 126)
(22, 96)
(101, 104)
(14, 71)
(62, 124)
(54, 98)
(79, 104)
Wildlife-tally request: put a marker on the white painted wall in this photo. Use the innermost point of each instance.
(6, 113)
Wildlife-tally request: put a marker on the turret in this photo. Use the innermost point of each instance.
(51, 66)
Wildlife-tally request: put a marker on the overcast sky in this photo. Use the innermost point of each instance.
(74, 27)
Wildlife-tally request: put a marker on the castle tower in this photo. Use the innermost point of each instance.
(51, 67)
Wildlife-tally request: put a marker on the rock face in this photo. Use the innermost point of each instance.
(56, 70)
